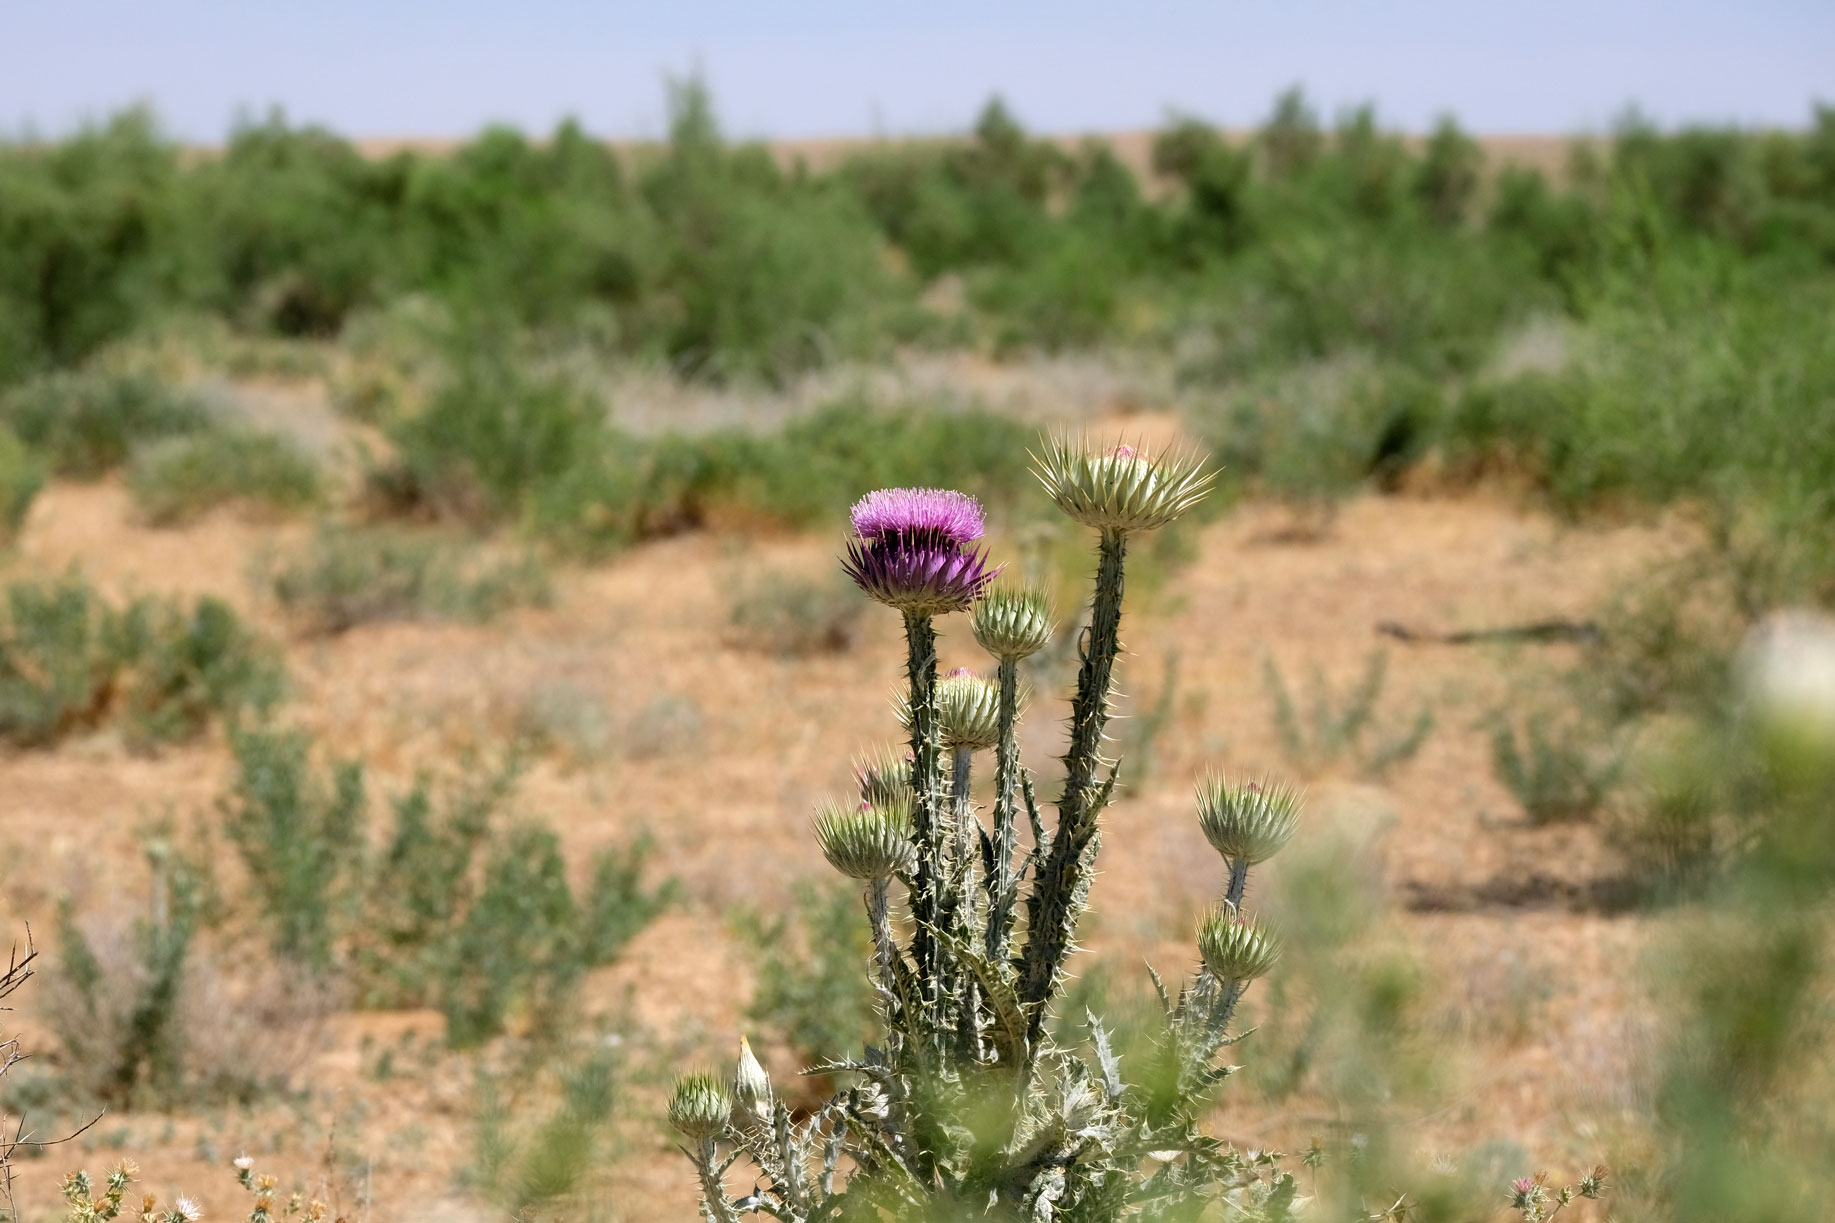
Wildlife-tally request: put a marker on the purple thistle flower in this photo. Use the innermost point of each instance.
(918, 515)
(924, 577)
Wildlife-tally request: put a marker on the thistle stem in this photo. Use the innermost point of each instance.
(1006, 799)
(1057, 896)
(927, 785)
(1239, 882)
(713, 1190)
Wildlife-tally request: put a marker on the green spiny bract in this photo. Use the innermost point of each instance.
(968, 711)
(967, 1095)
(1122, 489)
(1249, 822)
(1012, 624)
(870, 843)
(699, 1107)
(1236, 948)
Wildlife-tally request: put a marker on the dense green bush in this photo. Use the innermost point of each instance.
(22, 474)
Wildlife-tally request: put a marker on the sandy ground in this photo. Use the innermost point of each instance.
(719, 751)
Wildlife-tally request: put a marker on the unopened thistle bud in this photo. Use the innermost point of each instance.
(1120, 489)
(868, 843)
(1247, 823)
(884, 778)
(1012, 624)
(1234, 948)
(751, 1086)
(700, 1106)
(968, 710)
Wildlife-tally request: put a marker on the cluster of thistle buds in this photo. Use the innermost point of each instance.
(88, 1206)
(967, 975)
(1531, 1197)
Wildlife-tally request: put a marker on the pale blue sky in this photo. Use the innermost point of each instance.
(821, 67)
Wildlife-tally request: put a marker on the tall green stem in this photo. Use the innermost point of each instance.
(1058, 894)
(927, 785)
(1006, 799)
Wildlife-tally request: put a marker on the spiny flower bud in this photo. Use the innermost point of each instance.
(1123, 489)
(868, 843)
(884, 777)
(1012, 624)
(1235, 948)
(751, 1086)
(1250, 822)
(699, 1108)
(968, 710)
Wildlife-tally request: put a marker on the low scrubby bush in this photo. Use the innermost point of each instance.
(71, 661)
(347, 577)
(176, 480)
(22, 475)
(457, 907)
(88, 423)
(790, 615)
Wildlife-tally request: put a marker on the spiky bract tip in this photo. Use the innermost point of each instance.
(1236, 948)
(884, 777)
(919, 578)
(1013, 623)
(866, 842)
(699, 1107)
(1120, 488)
(1248, 822)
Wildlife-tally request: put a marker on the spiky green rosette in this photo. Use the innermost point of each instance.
(1236, 948)
(868, 843)
(700, 1106)
(1012, 624)
(968, 710)
(1122, 489)
(1250, 822)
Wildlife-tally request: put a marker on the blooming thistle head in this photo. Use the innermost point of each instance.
(699, 1106)
(1122, 488)
(867, 842)
(1247, 823)
(1235, 948)
(187, 1209)
(922, 577)
(918, 515)
(1012, 624)
(968, 710)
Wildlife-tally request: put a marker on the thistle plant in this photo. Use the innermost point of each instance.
(968, 1103)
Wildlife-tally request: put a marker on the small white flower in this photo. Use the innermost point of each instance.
(187, 1209)
(243, 1163)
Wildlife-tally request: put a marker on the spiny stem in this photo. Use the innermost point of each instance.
(1006, 798)
(1058, 893)
(926, 784)
(1239, 882)
(713, 1189)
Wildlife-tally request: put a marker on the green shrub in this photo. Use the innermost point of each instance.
(347, 577)
(813, 992)
(1556, 770)
(523, 1157)
(89, 423)
(455, 909)
(1335, 728)
(175, 481)
(69, 661)
(22, 474)
(794, 616)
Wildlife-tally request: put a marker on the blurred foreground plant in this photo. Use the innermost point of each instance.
(968, 1103)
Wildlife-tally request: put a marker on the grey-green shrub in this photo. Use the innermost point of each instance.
(88, 423)
(176, 480)
(346, 577)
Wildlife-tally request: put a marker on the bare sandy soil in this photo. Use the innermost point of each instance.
(720, 751)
